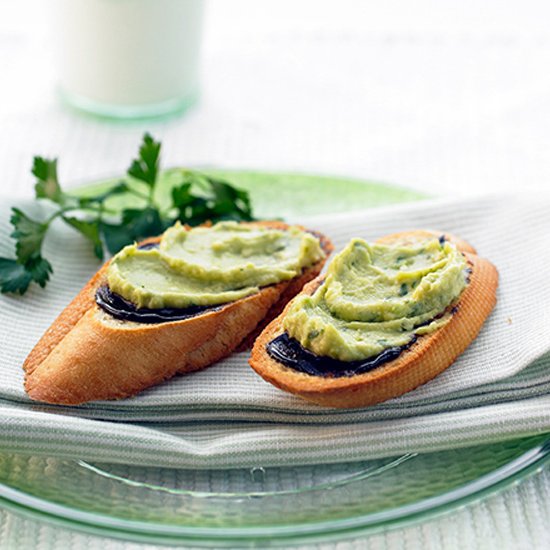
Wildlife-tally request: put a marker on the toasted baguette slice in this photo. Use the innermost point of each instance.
(426, 358)
(88, 355)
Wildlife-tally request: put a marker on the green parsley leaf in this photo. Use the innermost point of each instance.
(40, 270)
(145, 168)
(143, 223)
(192, 210)
(90, 229)
(135, 226)
(181, 195)
(215, 200)
(16, 277)
(230, 203)
(47, 186)
(29, 235)
(13, 276)
(115, 236)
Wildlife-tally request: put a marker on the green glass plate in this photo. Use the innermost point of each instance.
(265, 506)
(260, 506)
(280, 195)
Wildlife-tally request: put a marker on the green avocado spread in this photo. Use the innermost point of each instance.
(377, 296)
(210, 265)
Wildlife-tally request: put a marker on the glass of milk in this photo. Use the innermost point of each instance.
(129, 58)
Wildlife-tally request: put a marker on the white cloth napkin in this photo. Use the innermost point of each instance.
(228, 416)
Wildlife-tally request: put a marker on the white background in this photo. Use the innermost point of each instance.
(449, 97)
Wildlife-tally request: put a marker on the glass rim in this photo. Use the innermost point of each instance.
(526, 464)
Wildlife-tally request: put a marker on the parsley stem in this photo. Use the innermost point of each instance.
(139, 194)
(56, 215)
(62, 211)
(99, 209)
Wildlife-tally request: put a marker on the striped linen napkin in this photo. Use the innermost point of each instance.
(227, 416)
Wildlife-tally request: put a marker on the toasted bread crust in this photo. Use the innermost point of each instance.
(430, 355)
(87, 355)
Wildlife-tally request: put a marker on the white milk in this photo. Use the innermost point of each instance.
(128, 57)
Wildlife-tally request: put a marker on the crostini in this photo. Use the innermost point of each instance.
(171, 305)
(386, 318)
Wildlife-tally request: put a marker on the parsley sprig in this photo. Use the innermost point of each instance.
(195, 199)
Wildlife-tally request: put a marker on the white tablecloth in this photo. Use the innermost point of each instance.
(450, 99)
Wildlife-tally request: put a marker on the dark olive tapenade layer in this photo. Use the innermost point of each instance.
(122, 309)
(292, 354)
